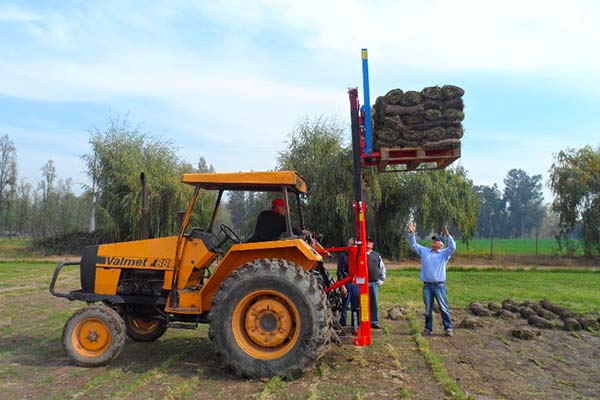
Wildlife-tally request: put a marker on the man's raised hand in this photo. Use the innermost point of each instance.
(412, 228)
(446, 232)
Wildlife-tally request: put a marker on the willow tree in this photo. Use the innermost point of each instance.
(575, 180)
(390, 201)
(118, 155)
(445, 197)
(316, 149)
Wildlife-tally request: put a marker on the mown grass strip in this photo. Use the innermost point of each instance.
(17, 267)
(435, 363)
(9, 289)
(11, 294)
(14, 274)
(183, 390)
(272, 387)
(152, 375)
(96, 382)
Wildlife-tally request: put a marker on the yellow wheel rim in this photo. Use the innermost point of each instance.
(143, 326)
(266, 324)
(91, 337)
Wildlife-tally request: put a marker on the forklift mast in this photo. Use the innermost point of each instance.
(362, 144)
(403, 159)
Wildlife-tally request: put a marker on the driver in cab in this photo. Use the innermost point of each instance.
(271, 224)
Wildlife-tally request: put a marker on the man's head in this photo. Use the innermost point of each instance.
(370, 244)
(278, 206)
(351, 242)
(436, 243)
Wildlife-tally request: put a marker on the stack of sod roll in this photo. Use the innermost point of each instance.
(431, 118)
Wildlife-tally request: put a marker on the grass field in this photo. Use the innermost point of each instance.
(507, 247)
(578, 290)
(182, 364)
(19, 248)
(15, 247)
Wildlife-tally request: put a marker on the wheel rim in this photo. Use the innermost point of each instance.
(143, 326)
(266, 324)
(91, 337)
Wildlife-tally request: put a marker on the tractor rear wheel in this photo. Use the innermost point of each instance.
(94, 336)
(270, 318)
(143, 329)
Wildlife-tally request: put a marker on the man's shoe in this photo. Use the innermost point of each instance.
(375, 326)
(426, 332)
(449, 332)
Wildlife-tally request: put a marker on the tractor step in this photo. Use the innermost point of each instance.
(183, 310)
(183, 325)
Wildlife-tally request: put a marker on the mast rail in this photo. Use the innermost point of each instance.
(411, 158)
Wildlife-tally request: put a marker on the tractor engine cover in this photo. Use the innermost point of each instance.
(141, 282)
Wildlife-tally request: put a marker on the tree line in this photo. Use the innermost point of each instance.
(50, 209)
(318, 148)
(516, 212)
(109, 208)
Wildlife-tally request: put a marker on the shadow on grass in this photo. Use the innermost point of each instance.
(181, 356)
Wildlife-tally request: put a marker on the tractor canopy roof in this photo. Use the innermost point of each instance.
(248, 181)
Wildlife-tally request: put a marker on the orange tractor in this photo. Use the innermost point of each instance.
(265, 302)
(270, 304)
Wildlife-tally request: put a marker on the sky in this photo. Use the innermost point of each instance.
(229, 81)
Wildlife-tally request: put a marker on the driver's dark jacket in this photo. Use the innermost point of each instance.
(269, 226)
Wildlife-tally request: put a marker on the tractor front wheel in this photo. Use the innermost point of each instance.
(270, 318)
(144, 329)
(94, 336)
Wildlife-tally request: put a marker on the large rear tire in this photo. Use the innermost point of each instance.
(325, 280)
(94, 336)
(270, 318)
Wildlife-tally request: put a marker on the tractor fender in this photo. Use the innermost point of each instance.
(296, 251)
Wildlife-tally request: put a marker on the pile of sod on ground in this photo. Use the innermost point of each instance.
(546, 314)
(429, 118)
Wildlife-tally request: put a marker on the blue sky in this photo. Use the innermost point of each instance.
(229, 80)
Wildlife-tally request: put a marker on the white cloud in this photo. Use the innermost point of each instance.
(16, 14)
(470, 35)
(220, 97)
(536, 37)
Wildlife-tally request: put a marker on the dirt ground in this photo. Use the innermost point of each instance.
(486, 363)
(489, 363)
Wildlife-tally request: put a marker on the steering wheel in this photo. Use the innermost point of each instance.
(229, 235)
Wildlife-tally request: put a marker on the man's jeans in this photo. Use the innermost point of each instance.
(437, 291)
(346, 302)
(373, 297)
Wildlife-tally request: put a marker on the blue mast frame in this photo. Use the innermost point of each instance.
(366, 107)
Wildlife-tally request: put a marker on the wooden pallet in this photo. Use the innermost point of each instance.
(412, 158)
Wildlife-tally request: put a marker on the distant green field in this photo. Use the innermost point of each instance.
(19, 242)
(18, 247)
(503, 247)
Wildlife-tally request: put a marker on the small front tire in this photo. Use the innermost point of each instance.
(94, 336)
